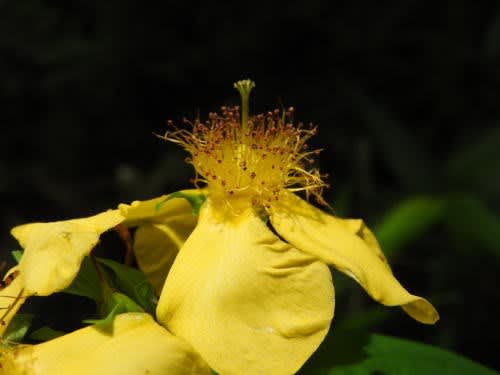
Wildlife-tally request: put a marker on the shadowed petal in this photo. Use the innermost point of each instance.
(156, 246)
(160, 234)
(137, 345)
(245, 300)
(350, 247)
(54, 251)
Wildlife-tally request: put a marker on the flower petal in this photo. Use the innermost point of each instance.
(350, 247)
(137, 345)
(12, 297)
(54, 251)
(245, 300)
(139, 212)
(160, 234)
(155, 248)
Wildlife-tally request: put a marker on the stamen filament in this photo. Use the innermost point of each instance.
(248, 161)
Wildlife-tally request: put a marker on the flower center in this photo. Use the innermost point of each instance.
(250, 159)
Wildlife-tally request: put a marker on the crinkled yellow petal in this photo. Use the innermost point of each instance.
(245, 300)
(350, 247)
(12, 297)
(137, 345)
(160, 235)
(54, 251)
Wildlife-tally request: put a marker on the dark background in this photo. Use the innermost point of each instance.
(405, 93)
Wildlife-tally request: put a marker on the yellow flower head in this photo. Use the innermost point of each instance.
(251, 294)
(256, 296)
(250, 160)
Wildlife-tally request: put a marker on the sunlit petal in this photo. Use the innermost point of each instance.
(350, 247)
(157, 210)
(54, 251)
(137, 345)
(247, 302)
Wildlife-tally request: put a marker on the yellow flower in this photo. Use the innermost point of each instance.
(250, 288)
(136, 345)
(246, 283)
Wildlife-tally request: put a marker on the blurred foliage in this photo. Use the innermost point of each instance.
(17, 328)
(389, 355)
(405, 94)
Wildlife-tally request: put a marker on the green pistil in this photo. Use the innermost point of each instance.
(244, 87)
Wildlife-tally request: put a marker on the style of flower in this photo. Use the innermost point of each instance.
(247, 282)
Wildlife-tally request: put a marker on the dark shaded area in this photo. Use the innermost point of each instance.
(405, 94)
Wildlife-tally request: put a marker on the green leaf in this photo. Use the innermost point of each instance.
(133, 283)
(391, 355)
(407, 221)
(196, 200)
(45, 334)
(476, 166)
(474, 225)
(18, 327)
(119, 303)
(17, 255)
(86, 282)
(106, 322)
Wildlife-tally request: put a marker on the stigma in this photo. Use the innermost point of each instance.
(249, 160)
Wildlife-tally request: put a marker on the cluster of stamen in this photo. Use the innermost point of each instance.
(256, 159)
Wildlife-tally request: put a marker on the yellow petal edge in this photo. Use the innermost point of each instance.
(137, 345)
(350, 247)
(245, 300)
(54, 251)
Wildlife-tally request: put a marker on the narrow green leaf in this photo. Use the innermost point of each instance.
(86, 283)
(474, 225)
(118, 304)
(196, 200)
(17, 255)
(391, 355)
(407, 221)
(105, 323)
(133, 283)
(45, 334)
(18, 327)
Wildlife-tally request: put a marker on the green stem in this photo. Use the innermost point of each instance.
(244, 87)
